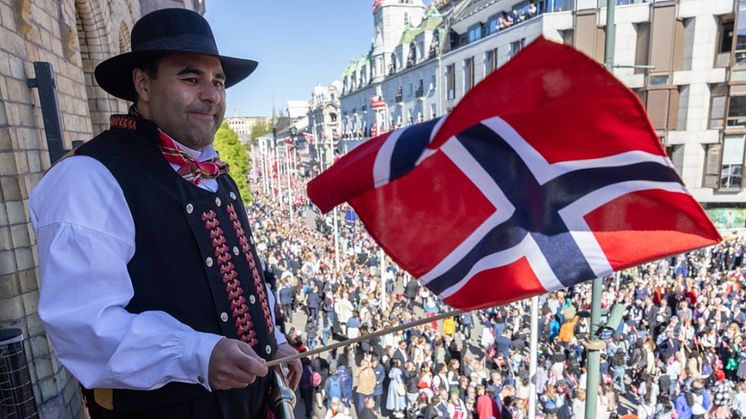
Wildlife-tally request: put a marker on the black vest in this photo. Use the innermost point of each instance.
(195, 259)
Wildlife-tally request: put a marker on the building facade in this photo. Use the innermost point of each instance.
(72, 37)
(683, 58)
(323, 121)
(243, 125)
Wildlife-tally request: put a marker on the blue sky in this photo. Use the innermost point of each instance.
(297, 43)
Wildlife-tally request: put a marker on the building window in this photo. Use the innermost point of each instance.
(451, 81)
(725, 41)
(468, 73)
(490, 61)
(741, 34)
(517, 46)
(718, 94)
(658, 80)
(412, 59)
(434, 45)
(475, 33)
(493, 24)
(712, 165)
(732, 166)
(737, 110)
(676, 154)
(642, 45)
(420, 89)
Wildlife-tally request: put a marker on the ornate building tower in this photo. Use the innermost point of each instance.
(390, 19)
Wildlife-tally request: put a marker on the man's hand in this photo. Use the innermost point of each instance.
(233, 364)
(295, 368)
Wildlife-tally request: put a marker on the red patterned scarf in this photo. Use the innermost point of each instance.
(189, 168)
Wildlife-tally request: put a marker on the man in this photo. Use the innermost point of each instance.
(380, 373)
(401, 352)
(410, 292)
(150, 282)
(287, 294)
(314, 302)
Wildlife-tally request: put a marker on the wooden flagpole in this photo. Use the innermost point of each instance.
(362, 338)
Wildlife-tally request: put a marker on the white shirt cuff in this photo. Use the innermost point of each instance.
(201, 346)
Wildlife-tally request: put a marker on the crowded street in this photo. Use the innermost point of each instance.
(677, 352)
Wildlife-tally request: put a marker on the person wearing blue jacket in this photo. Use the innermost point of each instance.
(683, 405)
(380, 376)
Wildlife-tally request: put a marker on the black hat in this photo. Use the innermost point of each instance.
(166, 31)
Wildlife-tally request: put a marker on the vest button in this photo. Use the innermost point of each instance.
(208, 262)
(233, 196)
(218, 202)
(252, 299)
(189, 208)
(235, 250)
(268, 349)
(224, 316)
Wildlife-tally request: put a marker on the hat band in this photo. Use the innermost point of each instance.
(199, 44)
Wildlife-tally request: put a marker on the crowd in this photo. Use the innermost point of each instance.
(678, 351)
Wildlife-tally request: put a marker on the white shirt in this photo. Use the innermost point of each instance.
(85, 238)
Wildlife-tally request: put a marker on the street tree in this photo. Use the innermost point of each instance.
(237, 156)
(261, 127)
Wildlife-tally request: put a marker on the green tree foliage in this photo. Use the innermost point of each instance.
(260, 128)
(237, 156)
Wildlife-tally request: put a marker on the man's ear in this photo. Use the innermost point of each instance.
(141, 82)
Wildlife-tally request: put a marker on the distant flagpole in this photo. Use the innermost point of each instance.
(279, 177)
(336, 240)
(533, 348)
(265, 172)
(383, 279)
(290, 188)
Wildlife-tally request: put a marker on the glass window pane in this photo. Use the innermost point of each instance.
(718, 107)
(741, 31)
(659, 80)
(737, 106)
(733, 150)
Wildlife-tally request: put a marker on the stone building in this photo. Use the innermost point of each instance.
(690, 73)
(323, 119)
(72, 36)
(243, 125)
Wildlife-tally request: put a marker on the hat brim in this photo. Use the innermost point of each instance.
(114, 75)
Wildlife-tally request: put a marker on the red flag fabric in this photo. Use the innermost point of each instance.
(546, 174)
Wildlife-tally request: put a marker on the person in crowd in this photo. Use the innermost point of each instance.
(678, 351)
(369, 409)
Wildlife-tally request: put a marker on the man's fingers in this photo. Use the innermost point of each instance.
(252, 366)
(250, 362)
(233, 364)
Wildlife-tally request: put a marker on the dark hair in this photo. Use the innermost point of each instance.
(150, 66)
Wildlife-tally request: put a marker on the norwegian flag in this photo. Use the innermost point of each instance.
(546, 174)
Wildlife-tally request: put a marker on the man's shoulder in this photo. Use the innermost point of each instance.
(103, 141)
